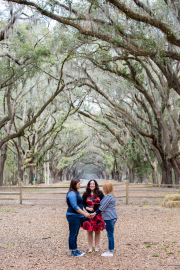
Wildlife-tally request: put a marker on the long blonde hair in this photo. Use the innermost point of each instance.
(108, 188)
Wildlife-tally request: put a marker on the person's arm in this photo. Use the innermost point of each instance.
(84, 201)
(80, 211)
(104, 204)
(85, 204)
(97, 212)
(73, 201)
(101, 195)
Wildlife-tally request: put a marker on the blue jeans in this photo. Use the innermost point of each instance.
(110, 232)
(74, 226)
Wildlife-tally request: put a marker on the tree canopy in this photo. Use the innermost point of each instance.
(90, 88)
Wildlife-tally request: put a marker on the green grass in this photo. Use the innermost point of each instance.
(148, 246)
(155, 255)
(10, 245)
(6, 210)
(170, 252)
(164, 248)
(174, 242)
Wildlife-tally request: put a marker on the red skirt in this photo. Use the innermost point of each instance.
(93, 224)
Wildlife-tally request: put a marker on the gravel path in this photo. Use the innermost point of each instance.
(36, 237)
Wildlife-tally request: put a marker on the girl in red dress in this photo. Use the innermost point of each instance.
(91, 202)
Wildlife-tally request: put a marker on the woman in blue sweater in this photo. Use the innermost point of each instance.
(74, 215)
(109, 215)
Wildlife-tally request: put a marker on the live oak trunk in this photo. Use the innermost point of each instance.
(20, 170)
(60, 175)
(131, 174)
(176, 170)
(52, 175)
(2, 162)
(155, 173)
(144, 179)
(112, 175)
(31, 174)
(166, 169)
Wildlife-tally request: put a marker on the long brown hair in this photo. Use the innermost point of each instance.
(96, 191)
(73, 184)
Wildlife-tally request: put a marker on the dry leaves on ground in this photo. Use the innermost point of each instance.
(35, 236)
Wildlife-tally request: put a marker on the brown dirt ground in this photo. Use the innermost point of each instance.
(35, 236)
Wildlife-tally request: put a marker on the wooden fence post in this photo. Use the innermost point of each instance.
(127, 191)
(20, 193)
(179, 187)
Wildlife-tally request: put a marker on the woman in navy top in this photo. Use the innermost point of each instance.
(74, 215)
